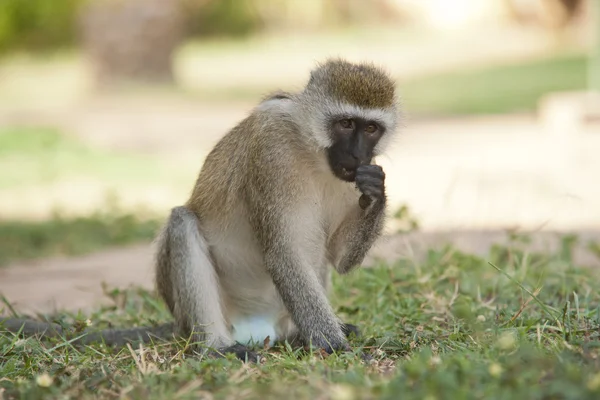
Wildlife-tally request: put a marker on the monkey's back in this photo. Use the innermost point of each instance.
(255, 153)
(259, 149)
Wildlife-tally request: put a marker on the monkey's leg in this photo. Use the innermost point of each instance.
(187, 280)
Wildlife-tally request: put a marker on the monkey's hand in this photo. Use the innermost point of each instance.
(370, 180)
(352, 240)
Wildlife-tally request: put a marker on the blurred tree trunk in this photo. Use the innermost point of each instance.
(557, 14)
(132, 40)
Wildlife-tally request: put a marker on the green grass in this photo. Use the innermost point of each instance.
(21, 240)
(32, 157)
(37, 156)
(493, 90)
(449, 327)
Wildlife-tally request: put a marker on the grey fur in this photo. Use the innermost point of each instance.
(265, 219)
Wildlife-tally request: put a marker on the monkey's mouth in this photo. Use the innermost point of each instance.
(347, 174)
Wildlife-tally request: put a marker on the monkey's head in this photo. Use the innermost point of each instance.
(353, 112)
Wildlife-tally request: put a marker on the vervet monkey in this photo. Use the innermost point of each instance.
(287, 193)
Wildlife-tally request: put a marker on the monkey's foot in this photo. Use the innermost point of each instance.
(241, 352)
(350, 329)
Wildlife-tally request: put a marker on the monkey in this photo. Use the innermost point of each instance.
(288, 192)
(287, 196)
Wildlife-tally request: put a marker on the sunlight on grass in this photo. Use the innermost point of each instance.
(450, 327)
(32, 156)
(43, 81)
(499, 89)
(42, 170)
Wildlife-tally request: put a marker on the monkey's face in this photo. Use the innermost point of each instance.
(354, 140)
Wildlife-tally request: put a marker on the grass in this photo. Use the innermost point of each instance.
(43, 157)
(496, 89)
(21, 240)
(38, 156)
(448, 327)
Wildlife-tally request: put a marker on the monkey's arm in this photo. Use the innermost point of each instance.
(304, 297)
(364, 223)
(287, 229)
(350, 243)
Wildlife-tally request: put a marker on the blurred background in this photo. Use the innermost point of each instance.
(108, 108)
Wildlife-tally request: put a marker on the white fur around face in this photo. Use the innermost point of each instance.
(316, 119)
(387, 118)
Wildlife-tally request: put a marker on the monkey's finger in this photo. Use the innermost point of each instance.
(363, 182)
(369, 167)
(368, 170)
(370, 177)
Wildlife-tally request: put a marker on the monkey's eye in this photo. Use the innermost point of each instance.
(371, 129)
(346, 124)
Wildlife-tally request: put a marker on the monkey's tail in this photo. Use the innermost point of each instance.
(120, 337)
(110, 337)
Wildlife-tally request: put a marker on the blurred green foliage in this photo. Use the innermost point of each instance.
(41, 156)
(38, 24)
(496, 89)
(222, 18)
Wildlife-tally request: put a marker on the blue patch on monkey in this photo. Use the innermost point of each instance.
(253, 329)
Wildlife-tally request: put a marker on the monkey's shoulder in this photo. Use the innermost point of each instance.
(262, 153)
(266, 135)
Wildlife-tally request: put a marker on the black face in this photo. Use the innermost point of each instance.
(353, 142)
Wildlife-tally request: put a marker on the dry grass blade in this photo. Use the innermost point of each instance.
(544, 307)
